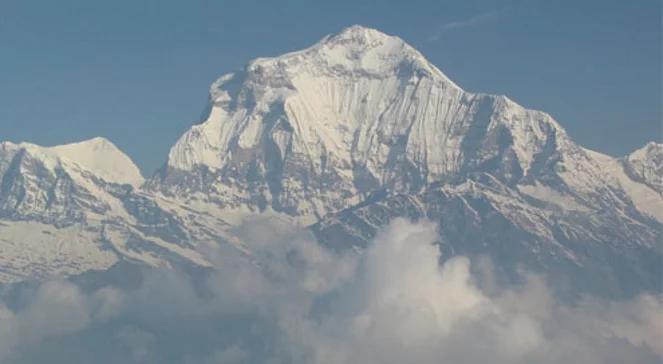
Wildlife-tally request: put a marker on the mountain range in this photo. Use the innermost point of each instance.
(338, 139)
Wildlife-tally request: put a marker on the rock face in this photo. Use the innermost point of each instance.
(347, 134)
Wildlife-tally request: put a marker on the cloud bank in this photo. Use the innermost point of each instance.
(294, 301)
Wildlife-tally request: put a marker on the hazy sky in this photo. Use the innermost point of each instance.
(137, 72)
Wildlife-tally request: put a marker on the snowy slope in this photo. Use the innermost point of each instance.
(343, 136)
(638, 177)
(315, 131)
(62, 183)
(71, 208)
(578, 250)
(645, 165)
(103, 158)
(97, 155)
(344, 131)
(318, 130)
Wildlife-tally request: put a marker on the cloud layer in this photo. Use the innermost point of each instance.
(296, 302)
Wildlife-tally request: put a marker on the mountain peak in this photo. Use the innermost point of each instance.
(356, 51)
(358, 33)
(654, 146)
(646, 165)
(361, 111)
(102, 157)
(98, 156)
(651, 150)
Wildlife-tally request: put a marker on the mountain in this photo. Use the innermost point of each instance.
(58, 182)
(319, 130)
(310, 132)
(72, 208)
(358, 129)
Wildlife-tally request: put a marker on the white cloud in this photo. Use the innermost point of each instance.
(473, 21)
(139, 343)
(297, 302)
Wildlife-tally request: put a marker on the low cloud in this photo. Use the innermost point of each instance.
(294, 301)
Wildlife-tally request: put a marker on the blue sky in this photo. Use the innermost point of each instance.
(137, 72)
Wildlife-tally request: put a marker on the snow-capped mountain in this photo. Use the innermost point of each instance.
(71, 208)
(344, 135)
(61, 182)
(316, 131)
